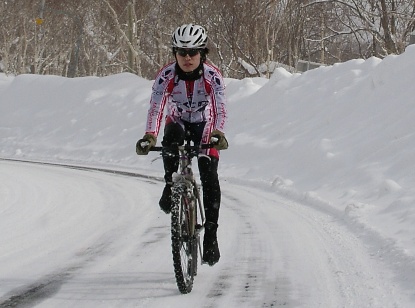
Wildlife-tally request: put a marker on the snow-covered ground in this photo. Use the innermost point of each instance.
(318, 193)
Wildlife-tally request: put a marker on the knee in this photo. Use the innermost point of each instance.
(173, 133)
(208, 169)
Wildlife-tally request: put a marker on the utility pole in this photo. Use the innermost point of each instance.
(322, 38)
(42, 8)
(38, 23)
(130, 35)
(74, 60)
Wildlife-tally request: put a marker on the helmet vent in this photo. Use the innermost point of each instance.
(189, 36)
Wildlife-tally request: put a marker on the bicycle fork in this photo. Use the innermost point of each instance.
(199, 227)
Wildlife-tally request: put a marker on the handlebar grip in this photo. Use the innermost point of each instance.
(156, 149)
(207, 146)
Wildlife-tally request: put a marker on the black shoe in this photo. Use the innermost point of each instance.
(211, 252)
(165, 200)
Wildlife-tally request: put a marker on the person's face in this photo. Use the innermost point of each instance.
(188, 59)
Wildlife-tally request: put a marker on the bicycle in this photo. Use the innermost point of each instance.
(187, 215)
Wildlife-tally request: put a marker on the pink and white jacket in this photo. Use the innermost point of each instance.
(202, 100)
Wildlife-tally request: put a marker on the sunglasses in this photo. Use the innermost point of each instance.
(186, 51)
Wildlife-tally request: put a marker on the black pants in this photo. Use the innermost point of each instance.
(208, 166)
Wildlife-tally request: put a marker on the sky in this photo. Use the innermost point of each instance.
(337, 140)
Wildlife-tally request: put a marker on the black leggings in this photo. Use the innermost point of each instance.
(208, 166)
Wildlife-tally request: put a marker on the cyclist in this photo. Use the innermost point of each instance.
(193, 92)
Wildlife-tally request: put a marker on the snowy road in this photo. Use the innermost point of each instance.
(79, 238)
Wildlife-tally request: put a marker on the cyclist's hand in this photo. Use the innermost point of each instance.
(144, 145)
(218, 139)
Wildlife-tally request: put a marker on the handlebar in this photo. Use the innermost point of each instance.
(184, 147)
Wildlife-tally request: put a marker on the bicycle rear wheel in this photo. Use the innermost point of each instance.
(184, 240)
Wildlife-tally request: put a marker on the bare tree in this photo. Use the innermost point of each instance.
(376, 27)
(247, 37)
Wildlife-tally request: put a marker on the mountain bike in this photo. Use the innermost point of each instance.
(187, 214)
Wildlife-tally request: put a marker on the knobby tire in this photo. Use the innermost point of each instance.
(184, 244)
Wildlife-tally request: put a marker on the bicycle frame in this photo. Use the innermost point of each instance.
(186, 180)
(185, 173)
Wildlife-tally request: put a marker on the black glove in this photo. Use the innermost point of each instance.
(144, 145)
(220, 143)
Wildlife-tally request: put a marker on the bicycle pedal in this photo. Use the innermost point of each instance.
(198, 228)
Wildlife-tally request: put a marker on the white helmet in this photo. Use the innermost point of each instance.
(189, 36)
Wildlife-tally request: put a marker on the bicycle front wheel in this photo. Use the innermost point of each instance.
(184, 240)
